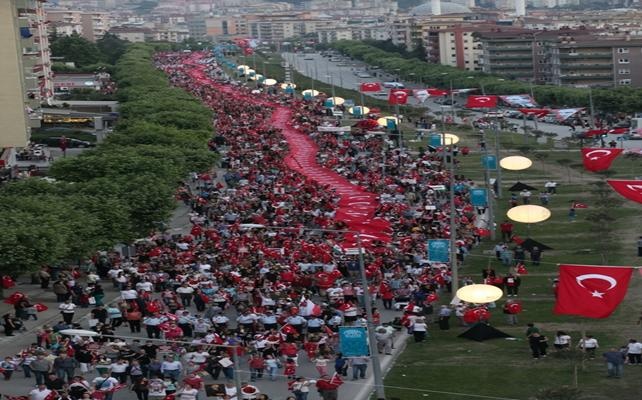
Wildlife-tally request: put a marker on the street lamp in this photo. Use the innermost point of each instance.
(451, 140)
(479, 294)
(529, 214)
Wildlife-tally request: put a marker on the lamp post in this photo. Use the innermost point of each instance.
(528, 214)
(331, 79)
(452, 139)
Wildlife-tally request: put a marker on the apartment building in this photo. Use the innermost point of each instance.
(25, 69)
(566, 57)
(94, 24)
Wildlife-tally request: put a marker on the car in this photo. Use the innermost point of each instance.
(380, 94)
(393, 85)
(494, 114)
(364, 75)
(308, 58)
(54, 141)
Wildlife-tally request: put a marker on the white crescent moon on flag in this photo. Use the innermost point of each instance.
(601, 151)
(483, 99)
(609, 279)
(635, 188)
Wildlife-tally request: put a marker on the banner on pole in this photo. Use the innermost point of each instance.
(353, 341)
(435, 140)
(489, 162)
(438, 250)
(479, 197)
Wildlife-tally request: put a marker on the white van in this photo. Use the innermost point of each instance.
(393, 85)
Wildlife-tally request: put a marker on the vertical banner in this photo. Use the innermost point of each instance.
(435, 140)
(353, 341)
(479, 197)
(438, 250)
(489, 162)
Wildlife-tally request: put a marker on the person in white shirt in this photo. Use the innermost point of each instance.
(247, 320)
(220, 321)
(589, 344)
(145, 286)
(129, 294)
(67, 310)
(419, 329)
(105, 384)
(562, 340)
(39, 393)
(171, 369)
(634, 352)
(187, 393)
(119, 370)
(301, 387)
(186, 293)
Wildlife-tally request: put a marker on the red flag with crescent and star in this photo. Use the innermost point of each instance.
(370, 87)
(632, 190)
(399, 96)
(481, 101)
(591, 291)
(599, 159)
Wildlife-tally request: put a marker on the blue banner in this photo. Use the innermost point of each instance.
(391, 124)
(438, 250)
(435, 140)
(479, 197)
(353, 341)
(489, 162)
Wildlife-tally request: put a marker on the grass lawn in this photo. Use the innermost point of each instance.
(504, 368)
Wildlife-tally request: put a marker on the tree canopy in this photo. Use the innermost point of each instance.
(117, 192)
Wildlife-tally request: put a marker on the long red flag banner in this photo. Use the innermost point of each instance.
(591, 291)
(630, 189)
(599, 159)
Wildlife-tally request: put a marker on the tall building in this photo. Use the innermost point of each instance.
(93, 25)
(25, 69)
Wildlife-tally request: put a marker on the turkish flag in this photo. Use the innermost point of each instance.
(632, 190)
(599, 159)
(577, 204)
(370, 87)
(398, 96)
(618, 131)
(538, 112)
(595, 132)
(481, 101)
(437, 92)
(591, 291)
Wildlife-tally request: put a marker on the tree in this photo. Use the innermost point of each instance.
(76, 49)
(112, 47)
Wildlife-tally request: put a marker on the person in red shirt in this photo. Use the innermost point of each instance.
(328, 387)
(507, 230)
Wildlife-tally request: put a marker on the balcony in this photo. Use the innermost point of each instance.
(511, 65)
(581, 66)
(502, 56)
(574, 56)
(511, 48)
(587, 76)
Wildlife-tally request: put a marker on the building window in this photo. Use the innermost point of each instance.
(624, 81)
(623, 61)
(623, 50)
(625, 71)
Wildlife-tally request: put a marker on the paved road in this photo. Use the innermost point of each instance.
(324, 70)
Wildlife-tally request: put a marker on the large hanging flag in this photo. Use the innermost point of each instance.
(630, 189)
(398, 96)
(599, 159)
(591, 291)
(481, 101)
(437, 92)
(370, 87)
(421, 94)
(538, 112)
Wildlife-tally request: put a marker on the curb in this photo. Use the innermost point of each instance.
(386, 365)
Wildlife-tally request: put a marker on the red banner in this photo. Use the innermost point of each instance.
(618, 131)
(591, 291)
(632, 190)
(538, 112)
(437, 92)
(599, 159)
(370, 87)
(481, 101)
(398, 96)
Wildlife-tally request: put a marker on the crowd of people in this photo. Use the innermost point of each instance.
(262, 276)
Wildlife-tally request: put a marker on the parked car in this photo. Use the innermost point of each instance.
(393, 85)
(364, 75)
(54, 141)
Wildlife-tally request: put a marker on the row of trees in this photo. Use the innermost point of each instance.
(622, 99)
(87, 56)
(117, 192)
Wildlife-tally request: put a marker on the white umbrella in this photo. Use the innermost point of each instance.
(79, 332)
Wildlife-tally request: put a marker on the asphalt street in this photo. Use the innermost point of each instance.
(344, 74)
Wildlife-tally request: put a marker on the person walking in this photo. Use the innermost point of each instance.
(634, 352)
(614, 363)
(444, 317)
(65, 367)
(67, 309)
(359, 367)
(589, 344)
(328, 387)
(538, 345)
(301, 388)
(40, 368)
(141, 388)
